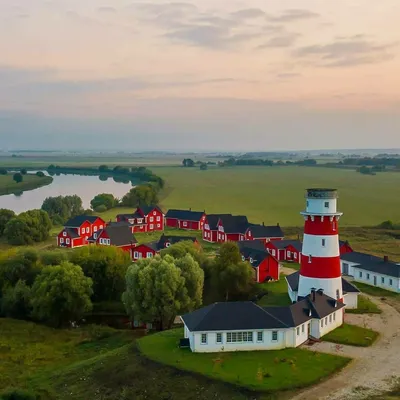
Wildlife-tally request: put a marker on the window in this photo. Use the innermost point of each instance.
(298, 331)
(184, 223)
(302, 328)
(334, 316)
(151, 226)
(95, 235)
(288, 253)
(64, 233)
(330, 318)
(61, 240)
(391, 282)
(219, 337)
(273, 252)
(67, 241)
(158, 225)
(383, 279)
(136, 254)
(367, 276)
(204, 338)
(239, 337)
(151, 219)
(337, 293)
(149, 254)
(360, 274)
(131, 221)
(158, 219)
(95, 229)
(101, 240)
(326, 321)
(154, 212)
(101, 226)
(327, 204)
(322, 323)
(274, 336)
(310, 259)
(219, 236)
(308, 203)
(323, 242)
(140, 220)
(294, 255)
(260, 336)
(83, 230)
(167, 244)
(108, 241)
(87, 230)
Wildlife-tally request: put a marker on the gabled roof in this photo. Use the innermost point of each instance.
(282, 244)
(77, 221)
(251, 244)
(372, 263)
(147, 209)
(257, 256)
(72, 233)
(231, 316)
(234, 223)
(174, 239)
(262, 231)
(187, 215)
(293, 315)
(293, 282)
(119, 235)
(212, 220)
(150, 245)
(343, 242)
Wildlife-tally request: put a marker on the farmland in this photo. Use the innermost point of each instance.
(30, 182)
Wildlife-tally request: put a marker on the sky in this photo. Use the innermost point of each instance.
(254, 75)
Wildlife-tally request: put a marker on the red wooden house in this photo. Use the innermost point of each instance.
(344, 247)
(185, 219)
(285, 250)
(210, 227)
(232, 228)
(144, 219)
(115, 234)
(265, 233)
(266, 267)
(78, 229)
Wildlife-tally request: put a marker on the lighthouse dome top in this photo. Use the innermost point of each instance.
(321, 193)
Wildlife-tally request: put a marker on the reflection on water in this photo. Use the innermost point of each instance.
(86, 187)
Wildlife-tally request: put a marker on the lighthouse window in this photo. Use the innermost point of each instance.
(327, 204)
(337, 293)
(323, 242)
(310, 258)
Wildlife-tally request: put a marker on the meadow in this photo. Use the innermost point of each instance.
(30, 182)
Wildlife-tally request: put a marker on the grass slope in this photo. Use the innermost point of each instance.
(277, 293)
(352, 335)
(376, 291)
(365, 306)
(260, 370)
(30, 182)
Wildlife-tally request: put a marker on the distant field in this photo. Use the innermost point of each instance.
(276, 194)
(8, 185)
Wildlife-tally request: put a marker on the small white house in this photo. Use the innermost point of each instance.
(245, 326)
(350, 292)
(372, 270)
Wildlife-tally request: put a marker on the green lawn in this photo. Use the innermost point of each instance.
(352, 335)
(30, 182)
(376, 291)
(260, 370)
(277, 293)
(365, 306)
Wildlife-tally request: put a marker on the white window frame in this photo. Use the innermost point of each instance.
(302, 328)
(322, 323)
(64, 234)
(288, 253)
(274, 333)
(82, 230)
(326, 204)
(218, 337)
(87, 229)
(136, 255)
(390, 282)
(158, 218)
(140, 220)
(149, 254)
(383, 280)
(260, 336)
(273, 252)
(151, 219)
(326, 321)
(184, 223)
(203, 338)
(167, 244)
(360, 274)
(61, 240)
(67, 241)
(151, 226)
(334, 316)
(239, 337)
(330, 318)
(95, 229)
(101, 226)
(158, 225)
(298, 331)
(295, 255)
(108, 241)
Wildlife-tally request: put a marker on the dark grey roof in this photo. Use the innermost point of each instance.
(322, 305)
(72, 232)
(147, 209)
(342, 242)
(282, 244)
(213, 219)
(372, 263)
(293, 281)
(234, 223)
(262, 231)
(187, 215)
(119, 235)
(174, 239)
(251, 244)
(151, 245)
(76, 222)
(256, 255)
(231, 316)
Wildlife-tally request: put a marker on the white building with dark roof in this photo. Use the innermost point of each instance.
(245, 326)
(372, 270)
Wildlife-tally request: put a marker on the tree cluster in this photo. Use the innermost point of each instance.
(142, 195)
(103, 202)
(61, 208)
(188, 162)
(231, 162)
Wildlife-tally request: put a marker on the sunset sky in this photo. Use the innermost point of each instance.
(200, 75)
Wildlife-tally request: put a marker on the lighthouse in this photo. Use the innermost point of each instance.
(320, 256)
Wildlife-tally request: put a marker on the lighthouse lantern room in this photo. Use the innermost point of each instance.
(320, 259)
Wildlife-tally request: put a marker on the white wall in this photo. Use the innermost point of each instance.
(351, 300)
(302, 335)
(367, 277)
(351, 266)
(317, 206)
(329, 324)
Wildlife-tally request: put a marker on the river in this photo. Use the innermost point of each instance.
(86, 187)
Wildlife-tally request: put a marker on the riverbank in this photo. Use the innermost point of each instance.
(30, 182)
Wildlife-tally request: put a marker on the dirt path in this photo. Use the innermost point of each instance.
(373, 370)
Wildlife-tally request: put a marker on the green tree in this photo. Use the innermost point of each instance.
(104, 199)
(40, 174)
(203, 166)
(5, 216)
(158, 289)
(231, 275)
(106, 266)
(142, 195)
(18, 177)
(62, 208)
(188, 162)
(28, 227)
(103, 168)
(16, 301)
(61, 294)
(3, 171)
(53, 257)
(23, 171)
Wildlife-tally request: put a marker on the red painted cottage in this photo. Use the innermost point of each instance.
(115, 234)
(210, 227)
(78, 229)
(344, 247)
(185, 219)
(285, 250)
(265, 233)
(145, 219)
(149, 250)
(266, 267)
(220, 228)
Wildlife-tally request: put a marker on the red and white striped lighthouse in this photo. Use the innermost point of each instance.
(320, 258)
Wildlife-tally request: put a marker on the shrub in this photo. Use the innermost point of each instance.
(17, 394)
(23, 171)
(53, 257)
(18, 177)
(3, 171)
(40, 174)
(101, 208)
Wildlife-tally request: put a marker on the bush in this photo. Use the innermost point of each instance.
(40, 174)
(100, 208)
(3, 171)
(23, 171)
(53, 257)
(18, 177)
(17, 394)
(16, 301)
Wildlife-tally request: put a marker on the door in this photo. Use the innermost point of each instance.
(308, 330)
(374, 280)
(345, 269)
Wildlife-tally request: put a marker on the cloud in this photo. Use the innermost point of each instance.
(293, 15)
(284, 40)
(344, 53)
(248, 13)
(288, 75)
(107, 9)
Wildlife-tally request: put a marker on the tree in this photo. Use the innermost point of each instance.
(231, 275)
(18, 177)
(142, 195)
(5, 216)
(15, 302)
(104, 199)
(23, 171)
(103, 168)
(158, 289)
(188, 162)
(53, 257)
(106, 266)
(3, 171)
(40, 174)
(62, 208)
(28, 227)
(61, 294)
(203, 166)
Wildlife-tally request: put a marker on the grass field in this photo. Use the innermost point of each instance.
(352, 335)
(261, 370)
(277, 293)
(376, 291)
(365, 306)
(30, 182)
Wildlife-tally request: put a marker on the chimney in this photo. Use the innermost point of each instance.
(385, 259)
(313, 294)
(277, 224)
(320, 291)
(190, 209)
(263, 223)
